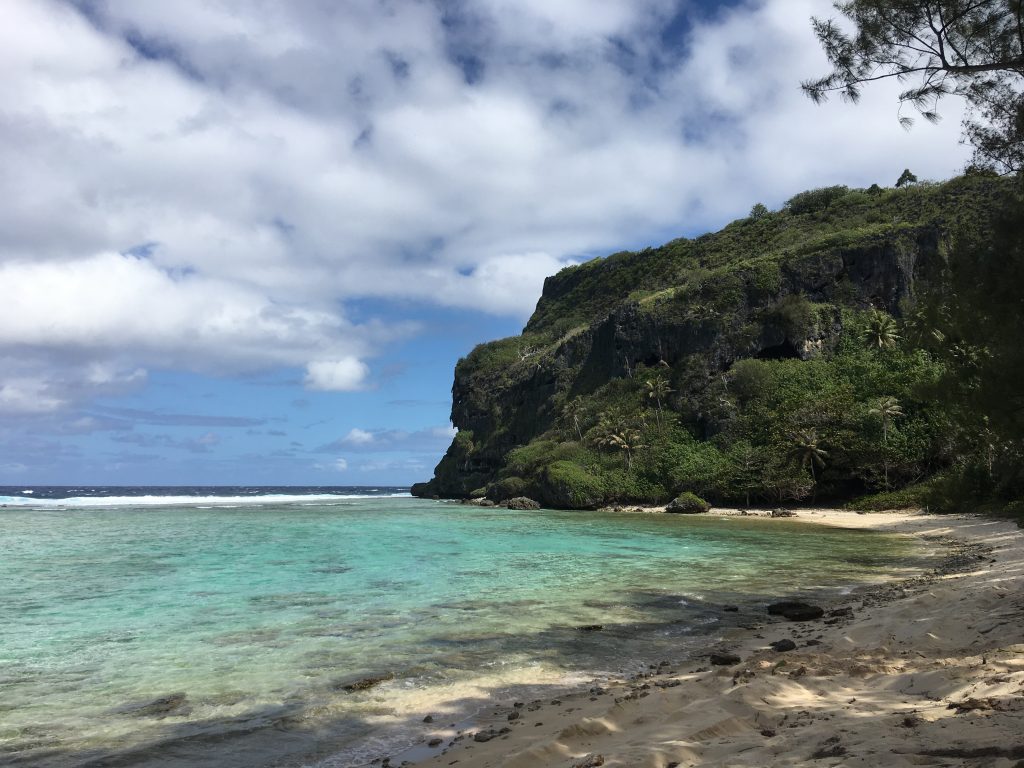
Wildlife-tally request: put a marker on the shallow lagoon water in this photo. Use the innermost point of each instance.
(247, 620)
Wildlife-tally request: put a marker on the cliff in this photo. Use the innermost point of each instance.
(647, 373)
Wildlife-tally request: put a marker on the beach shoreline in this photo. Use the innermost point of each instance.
(927, 670)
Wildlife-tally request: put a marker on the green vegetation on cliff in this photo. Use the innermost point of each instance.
(814, 352)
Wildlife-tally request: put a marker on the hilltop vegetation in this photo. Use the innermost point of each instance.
(817, 351)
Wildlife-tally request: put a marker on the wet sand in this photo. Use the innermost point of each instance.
(924, 671)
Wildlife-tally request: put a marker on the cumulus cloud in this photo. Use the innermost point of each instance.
(358, 436)
(204, 186)
(342, 375)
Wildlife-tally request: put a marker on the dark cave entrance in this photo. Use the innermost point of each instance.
(783, 351)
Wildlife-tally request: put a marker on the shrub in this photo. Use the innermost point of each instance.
(794, 315)
(1015, 511)
(763, 279)
(911, 497)
(508, 488)
(750, 378)
(814, 200)
(567, 485)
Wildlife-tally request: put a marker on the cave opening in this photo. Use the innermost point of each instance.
(783, 351)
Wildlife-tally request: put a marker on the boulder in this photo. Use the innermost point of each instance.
(783, 513)
(781, 646)
(724, 659)
(796, 610)
(522, 502)
(688, 504)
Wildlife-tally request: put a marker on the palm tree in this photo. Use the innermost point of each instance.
(616, 435)
(658, 390)
(888, 409)
(572, 412)
(881, 331)
(806, 451)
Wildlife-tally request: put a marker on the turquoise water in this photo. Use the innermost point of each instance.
(251, 618)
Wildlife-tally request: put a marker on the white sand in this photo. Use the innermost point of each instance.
(881, 689)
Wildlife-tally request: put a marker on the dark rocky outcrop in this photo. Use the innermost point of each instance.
(696, 306)
(796, 610)
(522, 502)
(724, 659)
(498, 411)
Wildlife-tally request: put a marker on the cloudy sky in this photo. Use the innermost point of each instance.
(245, 241)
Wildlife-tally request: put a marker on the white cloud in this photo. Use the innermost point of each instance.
(445, 432)
(26, 395)
(274, 162)
(341, 465)
(358, 436)
(342, 375)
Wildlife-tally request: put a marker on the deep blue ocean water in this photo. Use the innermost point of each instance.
(245, 611)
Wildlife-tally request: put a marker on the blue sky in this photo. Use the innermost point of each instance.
(246, 243)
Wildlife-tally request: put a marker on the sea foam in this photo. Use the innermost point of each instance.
(166, 501)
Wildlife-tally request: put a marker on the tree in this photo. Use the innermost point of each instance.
(746, 465)
(572, 413)
(807, 452)
(658, 390)
(969, 48)
(888, 409)
(613, 435)
(627, 440)
(759, 211)
(975, 317)
(906, 178)
(881, 331)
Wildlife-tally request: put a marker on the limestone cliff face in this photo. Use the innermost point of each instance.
(686, 307)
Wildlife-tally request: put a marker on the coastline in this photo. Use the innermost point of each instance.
(924, 670)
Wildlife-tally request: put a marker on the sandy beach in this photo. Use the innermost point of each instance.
(924, 671)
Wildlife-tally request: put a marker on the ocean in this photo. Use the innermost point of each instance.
(224, 627)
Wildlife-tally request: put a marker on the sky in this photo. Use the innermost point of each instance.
(245, 242)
